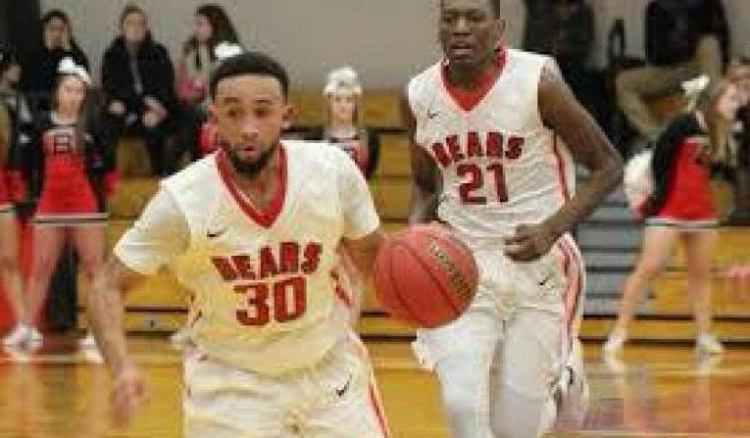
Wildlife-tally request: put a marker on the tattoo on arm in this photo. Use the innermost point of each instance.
(587, 143)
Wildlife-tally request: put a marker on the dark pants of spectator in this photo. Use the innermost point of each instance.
(155, 139)
(62, 306)
(191, 118)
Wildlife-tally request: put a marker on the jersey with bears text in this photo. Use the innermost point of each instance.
(500, 165)
(264, 295)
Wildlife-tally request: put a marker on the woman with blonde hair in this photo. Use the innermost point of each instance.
(344, 122)
(681, 209)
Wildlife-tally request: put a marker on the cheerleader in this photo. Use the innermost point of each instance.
(680, 208)
(76, 174)
(344, 122)
(9, 270)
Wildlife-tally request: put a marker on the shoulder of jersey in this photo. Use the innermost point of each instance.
(424, 78)
(515, 56)
(194, 176)
(313, 151)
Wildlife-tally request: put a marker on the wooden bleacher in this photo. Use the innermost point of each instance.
(159, 305)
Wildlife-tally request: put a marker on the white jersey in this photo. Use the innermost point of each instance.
(500, 165)
(264, 295)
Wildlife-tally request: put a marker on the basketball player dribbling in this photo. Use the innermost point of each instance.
(496, 133)
(252, 230)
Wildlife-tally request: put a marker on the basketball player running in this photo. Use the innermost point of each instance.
(252, 230)
(496, 133)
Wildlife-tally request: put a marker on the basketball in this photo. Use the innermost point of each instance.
(425, 276)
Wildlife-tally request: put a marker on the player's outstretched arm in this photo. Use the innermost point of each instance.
(106, 314)
(425, 184)
(589, 146)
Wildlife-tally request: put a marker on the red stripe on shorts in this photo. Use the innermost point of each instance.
(378, 409)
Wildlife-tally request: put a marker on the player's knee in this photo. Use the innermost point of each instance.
(517, 415)
(462, 402)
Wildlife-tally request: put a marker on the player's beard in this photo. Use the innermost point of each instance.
(250, 169)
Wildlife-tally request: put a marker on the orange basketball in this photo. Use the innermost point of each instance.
(425, 276)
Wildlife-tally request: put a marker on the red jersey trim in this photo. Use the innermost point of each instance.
(263, 217)
(467, 100)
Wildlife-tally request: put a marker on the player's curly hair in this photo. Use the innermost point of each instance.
(252, 63)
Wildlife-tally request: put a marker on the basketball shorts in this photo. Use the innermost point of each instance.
(336, 398)
(521, 323)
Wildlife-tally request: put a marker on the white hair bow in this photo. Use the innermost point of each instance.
(68, 67)
(225, 50)
(343, 78)
(693, 89)
(695, 86)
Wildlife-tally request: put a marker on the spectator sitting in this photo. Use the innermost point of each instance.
(684, 38)
(21, 119)
(138, 82)
(57, 43)
(741, 214)
(564, 29)
(210, 27)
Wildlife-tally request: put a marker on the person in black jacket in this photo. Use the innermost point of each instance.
(138, 82)
(684, 38)
(40, 72)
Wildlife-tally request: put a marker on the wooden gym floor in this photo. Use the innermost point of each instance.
(655, 390)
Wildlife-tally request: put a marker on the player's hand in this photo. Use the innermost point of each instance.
(128, 394)
(529, 242)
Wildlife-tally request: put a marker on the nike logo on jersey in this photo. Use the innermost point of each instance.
(432, 114)
(215, 234)
(545, 281)
(341, 391)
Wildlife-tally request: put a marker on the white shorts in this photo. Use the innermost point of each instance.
(337, 398)
(521, 322)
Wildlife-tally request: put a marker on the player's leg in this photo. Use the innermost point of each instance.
(572, 389)
(539, 371)
(698, 249)
(348, 402)
(461, 354)
(528, 366)
(220, 401)
(48, 242)
(658, 242)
